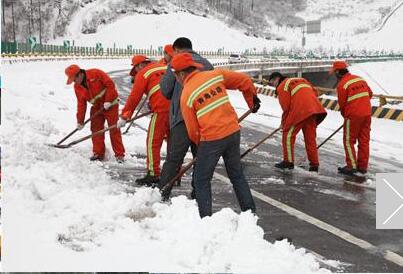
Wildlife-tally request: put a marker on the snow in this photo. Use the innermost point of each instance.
(388, 37)
(361, 31)
(61, 212)
(383, 79)
(144, 31)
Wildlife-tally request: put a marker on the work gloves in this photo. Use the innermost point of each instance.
(256, 104)
(107, 105)
(121, 123)
(80, 126)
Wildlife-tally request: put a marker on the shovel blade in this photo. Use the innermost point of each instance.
(58, 146)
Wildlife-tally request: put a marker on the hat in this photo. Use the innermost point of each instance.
(169, 49)
(275, 75)
(71, 72)
(138, 59)
(337, 65)
(183, 61)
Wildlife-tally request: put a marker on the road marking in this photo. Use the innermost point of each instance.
(389, 255)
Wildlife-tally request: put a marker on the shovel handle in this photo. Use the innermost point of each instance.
(105, 130)
(85, 122)
(137, 113)
(328, 138)
(191, 163)
(260, 142)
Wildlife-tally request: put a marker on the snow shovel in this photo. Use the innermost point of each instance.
(137, 113)
(74, 131)
(331, 135)
(98, 132)
(260, 142)
(185, 168)
(85, 122)
(321, 144)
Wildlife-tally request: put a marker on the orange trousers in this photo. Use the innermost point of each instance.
(357, 129)
(98, 123)
(308, 127)
(157, 131)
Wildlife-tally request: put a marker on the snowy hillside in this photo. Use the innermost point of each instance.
(87, 22)
(144, 31)
(208, 33)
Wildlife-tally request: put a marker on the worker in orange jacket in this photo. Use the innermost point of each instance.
(212, 124)
(354, 96)
(146, 82)
(301, 110)
(168, 54)
(96, 87)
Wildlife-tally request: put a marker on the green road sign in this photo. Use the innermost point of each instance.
(32, 42)
(98, 47)
(66, 44)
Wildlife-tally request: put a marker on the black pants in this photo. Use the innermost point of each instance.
(179, 144)
(208, 155)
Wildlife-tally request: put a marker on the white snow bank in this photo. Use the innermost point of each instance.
(63, 213)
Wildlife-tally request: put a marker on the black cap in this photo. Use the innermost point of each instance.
(182, 43)
(275, 74)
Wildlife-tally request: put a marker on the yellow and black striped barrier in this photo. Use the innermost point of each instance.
(377, 112)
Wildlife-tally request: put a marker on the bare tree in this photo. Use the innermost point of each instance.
(40, 23)
(12, 16)
(2, 10)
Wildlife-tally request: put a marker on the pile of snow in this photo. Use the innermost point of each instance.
(62, 212)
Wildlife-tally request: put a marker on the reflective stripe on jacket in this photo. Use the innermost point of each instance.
(147, 82)
(354, 96)
(205, 105)
(299, 101)
(100, 89)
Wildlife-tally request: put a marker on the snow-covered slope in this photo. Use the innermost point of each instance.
(390, 36)
(347, 17)
(144, 31)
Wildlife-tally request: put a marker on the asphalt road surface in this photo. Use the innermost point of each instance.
(330, 216)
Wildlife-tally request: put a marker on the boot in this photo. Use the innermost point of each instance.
(314, 169)
(148, 180)
(361, 172)
(97, 157)
(347, 170)
(285, 165)
(120, 159)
